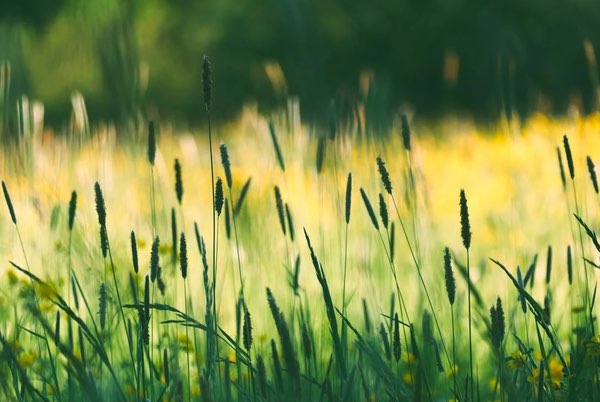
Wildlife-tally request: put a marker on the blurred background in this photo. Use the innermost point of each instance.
(66, 64)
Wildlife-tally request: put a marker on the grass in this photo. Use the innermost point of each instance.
(331, 310)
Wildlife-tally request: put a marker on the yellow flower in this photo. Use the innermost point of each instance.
(12, 277)
(27, 359)
(452, 371)
(407, 378)
(517, 359)
(408, 357)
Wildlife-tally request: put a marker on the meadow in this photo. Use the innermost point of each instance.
(266, 260)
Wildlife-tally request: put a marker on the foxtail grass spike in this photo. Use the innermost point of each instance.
(592, 170)
(57, 326)
(397, 344)
(242, 197)
(569, 265)
(102, 305)
(183, 259)
(501, 321)
(178, 182)
(548, 264)
(385, 176)
(166, 366)
(151, 143)
(405, 132)
(207, 83)
(385, 342)
(383, 212)
(9, 204)
(173, 235)
(247, 330)
(226, 165)
(278, 152)
(320, 154)
(449, 277)
(465, 226)
(100, 206)
(261, 373)
(290, 222)
(72, 208)
(227, 220)
(561, 167)
(134, 253)
(369, 207)
(218, 196)
(392, 241)
(154, 259)
(569, 156)
(348, 197)
(280, 209)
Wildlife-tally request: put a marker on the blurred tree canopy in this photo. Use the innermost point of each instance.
(132, 59)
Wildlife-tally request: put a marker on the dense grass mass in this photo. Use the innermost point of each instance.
(283, 265)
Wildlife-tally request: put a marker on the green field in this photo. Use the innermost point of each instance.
(294, 291)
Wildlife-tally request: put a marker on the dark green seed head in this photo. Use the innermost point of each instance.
(154, 259)
(569, 156)
(290, 222)
(405, 132)
(320, 154)
(134, 253)
(280, 209)
(183, 259)
(226, 165)
(397, 344)
(383, 212)
(385, 176)
(348, 197)
(207, 83)
(178, 182)
(369, 207)
(151, 143)
(227, 220)
(72, 208)
(464, 221)
(592, 170)
(218, 196)
(276, 145)
(247, 330)
(102, 305)
(100, 206)
(449, 277)
(385, 341)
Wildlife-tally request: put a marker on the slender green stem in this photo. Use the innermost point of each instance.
(471, 379)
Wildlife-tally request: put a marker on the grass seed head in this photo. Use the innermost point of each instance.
(383, 212)
(183, 259)
(396, 343)
(290, 222)
(348, 197)
(218, 196)
(369, 208)
(102, 305)
(9, 203)
(151, 143)
(207, 83)
(405, 132)
(464, 221)
(247, 330)
(385, 176)
(134, 253)
(569, 156)
(280, 209)
(276, 145)
(592, 170)
(178, 182)
(72, 208)
(449, 277)
(226, 165)
(154, 259)
(320, 154)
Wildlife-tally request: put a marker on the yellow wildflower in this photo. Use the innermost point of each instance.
(517, 359)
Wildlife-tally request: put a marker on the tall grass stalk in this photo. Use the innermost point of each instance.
(466, 239)
(385, 178)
